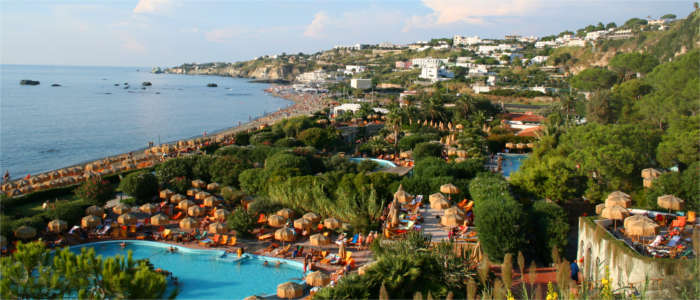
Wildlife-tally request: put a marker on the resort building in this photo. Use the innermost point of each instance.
(435, 73)
(428, 62)
(621, 34)
(354, 69)
(458, 40)
(312, 77)
(403, 65)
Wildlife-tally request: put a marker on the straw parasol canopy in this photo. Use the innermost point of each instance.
(160, 219)
(402, 195)
(201, 195)
(90, 221)
(217, 228)
(127, 218)
(286, 212)
(439, 204)
(331, 223)
(302, 224)
(449, 189)
(121, 208)
(192, 192)
(312, 217)
(221, 214)
(285, 234)
(25, 232)
(195, 211)
(670, 202)
(452, 220)
(317, 279)
(199, 183)
(290, 290)
(435, 197)
(618, 198)
(185, 204)
(276, 220)
(95, 211)
(614, 213)
(56, 226)
(213, 186)
(148, 208)
(639, 225)
(319, 240)
(177, 198)
(188, 223)
(454, 211)
(210, 201)
(599, 208)
(166, 194)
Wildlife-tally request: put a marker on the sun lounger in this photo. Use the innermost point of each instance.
(177, 216)
(265, 236)
(223, 240)
(232, 241)
(216, 238)
(104, 230)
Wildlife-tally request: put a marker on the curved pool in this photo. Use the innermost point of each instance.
(204, 274)
(511, 162)
(383, 164)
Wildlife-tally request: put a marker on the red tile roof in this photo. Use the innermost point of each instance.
(530, 131)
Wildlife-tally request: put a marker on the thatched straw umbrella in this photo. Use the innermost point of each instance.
(286, 212)
(331, 223)
(302, 224)
(670, 202)
(201, 195)
(449, 189)
(200, 184)
(90, 221)
(25, 232)
(213, 187)
(188, 223)
(454, 211)
(195, 211)
(276, 220)
(57, 226)
(221, 214)
(121, 208)
(439, 204)
(95, 211)
(148, 208)
(435, 197)
(177, 198)
(192, 192)
(166, 194)
(290, 290)
(318, 279)
(126, 219)
(618, 198)
(510, 145)
(599, 208)
(402, 195)
(210, 201)
(614, 213)
(312, 217)
(160, 219)
(639, 225)
(452, 220)
(285, 234)
(185, 204)
(406, 154)
(319, 240)
(217, 228)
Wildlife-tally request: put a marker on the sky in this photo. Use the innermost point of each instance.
(171, 32)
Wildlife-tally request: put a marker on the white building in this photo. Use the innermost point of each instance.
(539, 59)
(543, 44)
(595, 35)
(312, 77)
(478, 70)
(354, 69)
(428, 62)
(435, 73)
(620, 34)
(361, 84)
(486, 49)
(351, 47)
(575, 43)
(478, 89)
(354, 107)
(465, 41)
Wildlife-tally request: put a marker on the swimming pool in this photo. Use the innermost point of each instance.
(511, 162)
(383, 164)
(204, 274)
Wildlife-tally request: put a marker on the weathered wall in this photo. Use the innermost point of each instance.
(627, 267)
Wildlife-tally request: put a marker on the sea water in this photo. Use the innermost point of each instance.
(88, 117)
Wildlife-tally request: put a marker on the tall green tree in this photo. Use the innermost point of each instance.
(630, 63)
(595, 78)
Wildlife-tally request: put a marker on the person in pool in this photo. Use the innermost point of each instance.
(278, 263)
(123, 245)
(172, 249)
(265, 263)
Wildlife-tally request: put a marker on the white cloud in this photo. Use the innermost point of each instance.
(318, 25)
(469, 11)
(152, 6)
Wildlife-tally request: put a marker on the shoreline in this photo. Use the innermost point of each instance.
(302, 104)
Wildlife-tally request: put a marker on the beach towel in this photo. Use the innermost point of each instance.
(674, 241)
(104, 230)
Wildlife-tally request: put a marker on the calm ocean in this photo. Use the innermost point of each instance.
(88, 117)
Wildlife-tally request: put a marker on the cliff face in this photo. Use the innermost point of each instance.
(246, 70)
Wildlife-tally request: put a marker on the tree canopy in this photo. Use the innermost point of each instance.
(594, 79)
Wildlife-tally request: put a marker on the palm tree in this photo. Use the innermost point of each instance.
(395, 120)
(465, 105)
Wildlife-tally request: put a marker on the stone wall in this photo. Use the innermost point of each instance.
(627, 267)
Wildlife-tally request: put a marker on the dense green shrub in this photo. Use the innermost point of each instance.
(427, 149)
(179, 184)
(320, 138)
(95, 191)
(410, 141)
(200, 168)
(263, 138)
(550, 228)
(226, 169)
(143, 186)
(283, 160)
(288, 142)
(367, 166)
(254, 181)
(242, 138)
(211, 148)
(176, 167)
(241, 221)
(501, 223)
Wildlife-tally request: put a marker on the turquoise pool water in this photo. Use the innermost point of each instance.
(511, 162)
(383, 164)
(203, 274)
